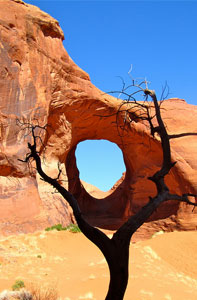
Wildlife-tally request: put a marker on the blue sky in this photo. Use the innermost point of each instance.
(105, 37)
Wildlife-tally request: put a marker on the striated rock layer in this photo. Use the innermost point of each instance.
(40, 83)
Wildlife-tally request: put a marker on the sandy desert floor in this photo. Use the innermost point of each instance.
(161, 268)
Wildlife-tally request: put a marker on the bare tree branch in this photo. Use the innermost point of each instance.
(176, 136)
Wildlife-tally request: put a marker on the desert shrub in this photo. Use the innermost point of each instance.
(24, 295)
(18, 285)
(72, 228)
(33, 293)
(57, 227)
(21, 295)
(44, 293)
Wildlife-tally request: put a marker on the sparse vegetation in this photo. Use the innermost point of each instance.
(72, 228)
(57, 227)
(33, 293)
(22, 295)
(18, 285)
(47, 293)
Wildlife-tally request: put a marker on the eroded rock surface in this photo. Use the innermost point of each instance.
(39, 82)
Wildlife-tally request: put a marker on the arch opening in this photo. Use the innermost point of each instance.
(100, 164)
(112, 208)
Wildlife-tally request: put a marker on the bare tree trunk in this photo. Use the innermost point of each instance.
(116, 253)
(119, 274)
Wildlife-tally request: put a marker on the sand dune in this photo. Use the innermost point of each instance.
(162, 268)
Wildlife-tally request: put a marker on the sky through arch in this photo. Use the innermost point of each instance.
(100, 163)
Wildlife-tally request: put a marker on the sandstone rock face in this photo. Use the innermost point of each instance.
(40, 83)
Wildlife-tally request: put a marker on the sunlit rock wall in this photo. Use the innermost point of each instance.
(40, 83)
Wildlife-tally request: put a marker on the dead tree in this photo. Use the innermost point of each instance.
(116, 249)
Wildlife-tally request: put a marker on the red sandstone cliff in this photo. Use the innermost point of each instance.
(38, 80)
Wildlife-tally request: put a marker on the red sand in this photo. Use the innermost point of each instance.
(162, 268)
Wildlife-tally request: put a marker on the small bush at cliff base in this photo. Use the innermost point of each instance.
(18, 285)
(57, 227)
(72, 228)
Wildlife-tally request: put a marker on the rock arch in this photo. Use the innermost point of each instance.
(142, 155)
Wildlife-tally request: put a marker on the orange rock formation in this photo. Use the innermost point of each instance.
(39, 81)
